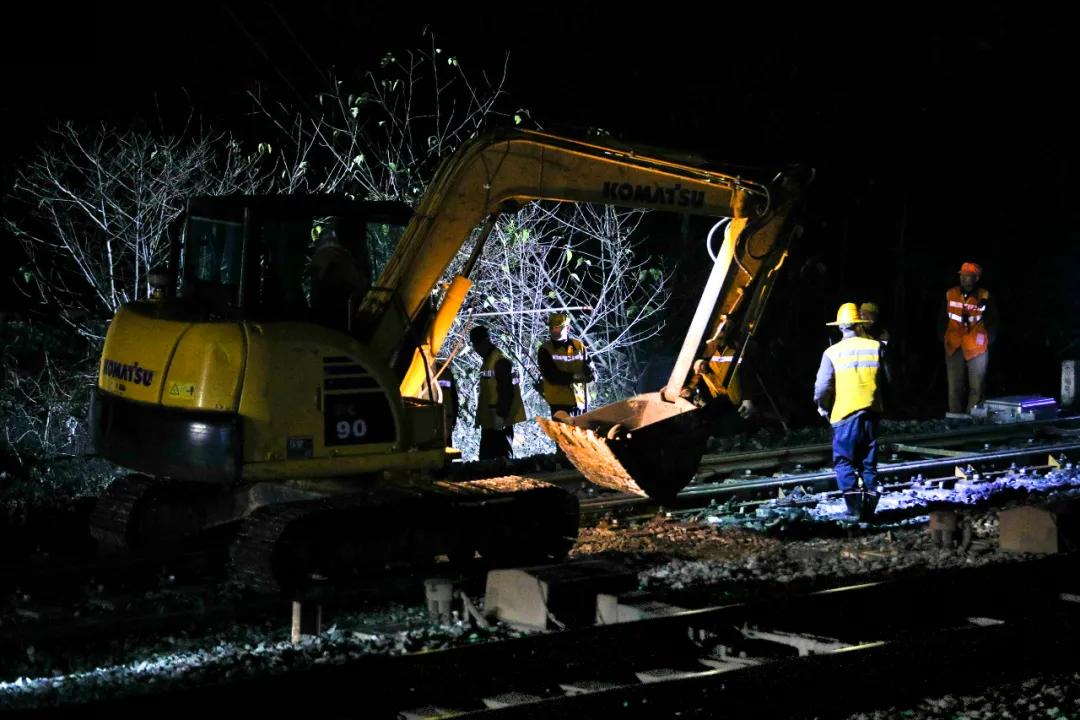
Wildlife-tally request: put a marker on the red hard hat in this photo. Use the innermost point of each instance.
(970, 268)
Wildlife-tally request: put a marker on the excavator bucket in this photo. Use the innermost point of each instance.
(643, 445)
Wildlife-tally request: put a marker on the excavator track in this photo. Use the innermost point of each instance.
(506, 521)
(138, 511)
(111, 522)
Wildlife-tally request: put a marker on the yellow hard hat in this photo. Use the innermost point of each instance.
(848, 314)
(869, 308)
(558, 320)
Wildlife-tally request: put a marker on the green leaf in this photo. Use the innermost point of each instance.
(392, 166)
(569, 254)
(551, 294)
(575, 276)
(517, 119)
(359, 159)
(452, 61)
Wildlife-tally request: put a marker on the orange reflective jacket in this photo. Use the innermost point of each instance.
(966, 328)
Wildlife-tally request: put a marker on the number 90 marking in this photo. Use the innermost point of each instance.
(355, 429)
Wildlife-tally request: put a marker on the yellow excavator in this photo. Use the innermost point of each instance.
(269, 387)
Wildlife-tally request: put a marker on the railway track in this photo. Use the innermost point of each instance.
(46, 582)
(823, 654)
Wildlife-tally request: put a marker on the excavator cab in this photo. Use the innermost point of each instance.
(282, 257)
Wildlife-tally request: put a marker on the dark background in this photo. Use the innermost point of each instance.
(938, 135)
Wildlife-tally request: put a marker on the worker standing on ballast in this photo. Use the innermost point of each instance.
(565, 368)
(498, 404)
(851, 378)
(968, 324)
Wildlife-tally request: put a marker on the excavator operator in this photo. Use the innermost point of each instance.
(338, 279)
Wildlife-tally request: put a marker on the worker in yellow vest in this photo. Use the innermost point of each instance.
(564, 368)
(498, 404)
(968, 325)
(850, 378)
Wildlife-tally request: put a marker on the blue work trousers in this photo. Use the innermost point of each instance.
(854, 448)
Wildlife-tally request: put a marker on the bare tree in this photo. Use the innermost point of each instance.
(99, 201)
(382, 135)
(550, 255)
(382, 138)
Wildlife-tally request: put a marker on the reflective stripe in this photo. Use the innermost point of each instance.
(444, 383)
(857, 364)
(966, 330)
(721, 358)
(487, 400)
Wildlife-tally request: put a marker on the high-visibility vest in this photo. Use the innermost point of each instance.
(569, 358)
(489, 394)
(855, 362)
(966, 328)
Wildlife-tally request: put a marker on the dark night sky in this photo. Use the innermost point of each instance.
(939, 134)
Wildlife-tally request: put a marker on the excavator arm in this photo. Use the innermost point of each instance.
(651, 444)
(501, 170)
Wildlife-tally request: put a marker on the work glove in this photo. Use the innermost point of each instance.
(499, 424)
(746, 409)
(823, 412)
